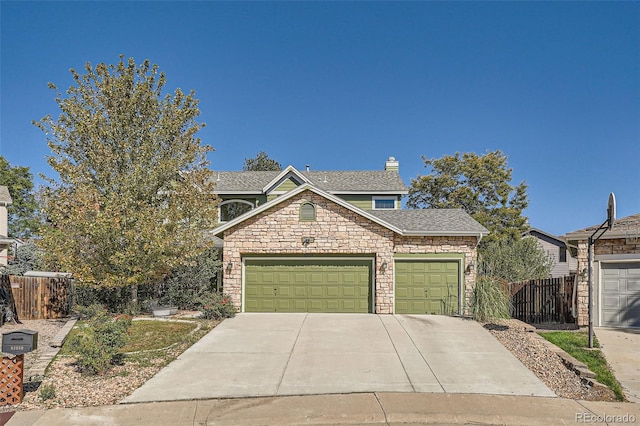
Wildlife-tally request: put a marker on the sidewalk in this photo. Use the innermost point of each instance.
(365, 408)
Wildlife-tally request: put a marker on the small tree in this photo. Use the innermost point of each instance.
(134, 192)
(23, 219)
(26, 258)
(262, 162)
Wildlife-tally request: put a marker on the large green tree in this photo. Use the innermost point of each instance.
(23, 219)
(480, 185)
(261, 162)
(134, 192)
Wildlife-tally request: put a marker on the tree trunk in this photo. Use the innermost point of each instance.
(134, 294)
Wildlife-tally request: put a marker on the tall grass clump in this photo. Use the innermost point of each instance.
(490, 300)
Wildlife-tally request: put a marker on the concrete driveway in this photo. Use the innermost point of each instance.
(621, 347)
(296, 354)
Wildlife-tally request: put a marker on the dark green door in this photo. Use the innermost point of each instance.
(308, 285)
(426, 287)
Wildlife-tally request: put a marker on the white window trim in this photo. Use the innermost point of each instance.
(229, 202)
(374, 199)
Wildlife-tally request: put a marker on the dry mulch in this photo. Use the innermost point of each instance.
(75, 390)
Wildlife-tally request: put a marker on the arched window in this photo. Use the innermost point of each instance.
(230, 209)
(307, 212)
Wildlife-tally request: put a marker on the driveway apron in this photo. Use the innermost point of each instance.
(296, 354)
(621, 348)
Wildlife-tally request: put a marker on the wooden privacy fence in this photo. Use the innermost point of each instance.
(39, 297)
(546, 300)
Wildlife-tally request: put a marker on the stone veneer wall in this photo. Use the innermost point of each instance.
(337, 230)
(601, 247)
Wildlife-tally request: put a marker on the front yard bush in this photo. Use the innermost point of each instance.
(98, 341)
(186, 287)
(216, 306)
(489, 300)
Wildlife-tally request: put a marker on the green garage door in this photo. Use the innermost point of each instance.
(426, 287)
(308, 285)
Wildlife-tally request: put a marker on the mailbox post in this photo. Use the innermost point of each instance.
(18, 343)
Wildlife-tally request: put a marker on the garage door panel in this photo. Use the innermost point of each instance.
(620, 294)
(633, 285)
(426, 286)
(308, 285)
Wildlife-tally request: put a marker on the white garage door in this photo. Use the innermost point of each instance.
(620, 294)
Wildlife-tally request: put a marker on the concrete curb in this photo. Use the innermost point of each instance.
(340, 409)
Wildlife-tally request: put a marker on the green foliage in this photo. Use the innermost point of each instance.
(191, 283)
(134, 192)
(28, 257)
(489, 300)
(47, 392)
(97, 343)
(90, 311)
(480, 185)
(261, 162)
(217, 307)
(512, 260)
(114, 299)
(23, 220)
(576, 344)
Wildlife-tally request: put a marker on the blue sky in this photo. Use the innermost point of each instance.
(344, 85)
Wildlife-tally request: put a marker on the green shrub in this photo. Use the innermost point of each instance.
(490, 300)
(189, 285)
(47, 392)
(98, 342)
(87, 312)
(216, 307)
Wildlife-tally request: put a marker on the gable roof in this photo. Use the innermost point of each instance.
(545, 236)
(434, 222)
(335, 182)
(622, 228)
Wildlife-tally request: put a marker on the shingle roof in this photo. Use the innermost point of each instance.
(5, 197)
(331, 181)
(623, 227)
(404, 222)
(444, 221)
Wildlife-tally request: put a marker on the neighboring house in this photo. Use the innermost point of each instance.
(5, 241)
(616, 274)
(315, 241)
(564, 263)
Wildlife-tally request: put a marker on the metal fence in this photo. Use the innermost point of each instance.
(545, 300)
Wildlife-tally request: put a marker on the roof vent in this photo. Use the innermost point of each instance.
(307, 167)
(392, 165)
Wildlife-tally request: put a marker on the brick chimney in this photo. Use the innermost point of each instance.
(392, 165)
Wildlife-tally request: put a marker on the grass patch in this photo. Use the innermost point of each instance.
(576, 344)
(144, 335)
(150, 335)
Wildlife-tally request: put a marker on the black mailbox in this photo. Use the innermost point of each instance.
(19, 341)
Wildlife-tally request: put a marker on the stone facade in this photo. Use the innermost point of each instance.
(601, 247)
(336, 231)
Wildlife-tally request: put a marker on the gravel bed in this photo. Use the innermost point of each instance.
(544, 363)
(46, 330)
